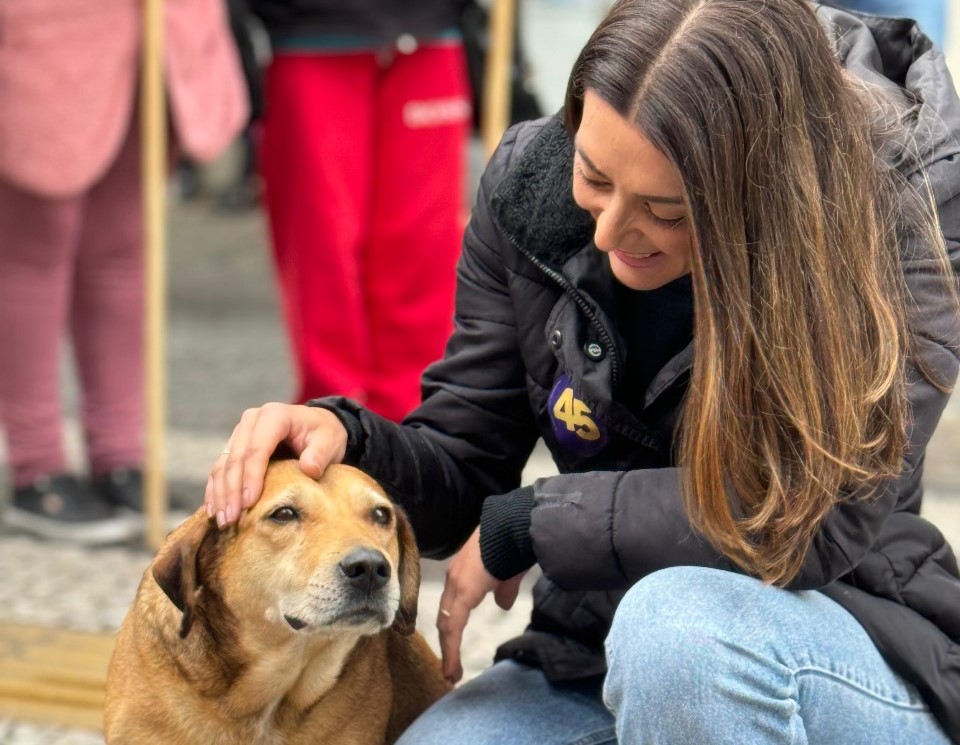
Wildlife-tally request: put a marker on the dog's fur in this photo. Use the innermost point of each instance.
(258, 634)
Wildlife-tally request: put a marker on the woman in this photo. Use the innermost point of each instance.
(735, 329)
(70, 239)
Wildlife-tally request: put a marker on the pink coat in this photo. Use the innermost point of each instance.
(68, 80)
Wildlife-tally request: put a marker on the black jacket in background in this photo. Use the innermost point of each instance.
(531, 311)
(380, 20)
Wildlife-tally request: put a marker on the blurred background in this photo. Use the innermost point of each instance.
(230, 346)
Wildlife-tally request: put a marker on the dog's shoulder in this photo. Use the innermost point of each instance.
(416, 677)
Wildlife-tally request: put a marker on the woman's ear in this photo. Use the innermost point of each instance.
(405, 622)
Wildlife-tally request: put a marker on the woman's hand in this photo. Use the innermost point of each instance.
(466, 585)
(236, 479)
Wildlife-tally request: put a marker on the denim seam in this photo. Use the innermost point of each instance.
(600, 737)
(812, 669)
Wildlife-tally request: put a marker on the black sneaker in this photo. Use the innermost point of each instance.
(62, 508)
(123, 488)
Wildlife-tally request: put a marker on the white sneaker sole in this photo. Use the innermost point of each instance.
(99, 532)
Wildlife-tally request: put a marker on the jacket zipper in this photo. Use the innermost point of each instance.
(581, 303)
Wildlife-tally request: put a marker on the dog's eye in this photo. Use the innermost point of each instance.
(381, 515)
(284, 515)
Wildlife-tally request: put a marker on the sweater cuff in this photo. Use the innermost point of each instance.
(350, 421)
(505, 544)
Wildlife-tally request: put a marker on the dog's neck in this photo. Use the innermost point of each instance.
(288, 673)
(280, 674)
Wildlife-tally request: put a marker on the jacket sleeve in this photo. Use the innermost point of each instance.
(626, 525)
(474, 431)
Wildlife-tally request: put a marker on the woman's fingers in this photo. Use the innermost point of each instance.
(466, 585)
(232, 469)
(236, 478)
(451, 621)
(316, 436)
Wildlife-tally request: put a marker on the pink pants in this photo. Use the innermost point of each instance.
(74, 265)
(363, 160)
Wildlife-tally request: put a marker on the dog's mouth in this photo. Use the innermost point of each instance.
(295, 623)
(354, 616)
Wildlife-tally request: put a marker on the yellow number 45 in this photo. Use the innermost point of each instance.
(573, 412)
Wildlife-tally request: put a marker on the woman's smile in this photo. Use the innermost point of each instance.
(636, 260)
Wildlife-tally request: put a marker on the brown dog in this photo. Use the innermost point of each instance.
(294, 626)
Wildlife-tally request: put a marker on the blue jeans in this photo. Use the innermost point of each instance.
(700, 656)
(931, 15)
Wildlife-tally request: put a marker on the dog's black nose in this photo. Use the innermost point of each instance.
(365, 569)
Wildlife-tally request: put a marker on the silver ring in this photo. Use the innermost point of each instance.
(444, 612)
(224, 452)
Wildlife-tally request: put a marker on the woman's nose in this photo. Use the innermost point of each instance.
(607, 233)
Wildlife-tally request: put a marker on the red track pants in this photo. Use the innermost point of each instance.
(363, 162)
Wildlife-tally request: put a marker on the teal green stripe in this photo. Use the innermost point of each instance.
(347, 43)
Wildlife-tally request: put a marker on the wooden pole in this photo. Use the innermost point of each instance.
(153, 119)
(496, 89)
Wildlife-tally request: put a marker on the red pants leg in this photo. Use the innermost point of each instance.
(316, 161)
(423, 125)
(38, 243)
(108, 314)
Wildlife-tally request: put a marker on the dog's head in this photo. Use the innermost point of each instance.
(309, 557)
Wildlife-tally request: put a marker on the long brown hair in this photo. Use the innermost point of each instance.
(798, 390)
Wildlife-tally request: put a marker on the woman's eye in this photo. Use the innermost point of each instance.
(284, 515)
(662, 215)
(381, 515)
(592, 183)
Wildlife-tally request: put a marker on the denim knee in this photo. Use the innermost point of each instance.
(666, 618)
(704, 655)
(674, 643)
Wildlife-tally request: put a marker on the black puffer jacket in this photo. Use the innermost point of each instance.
(533, 313)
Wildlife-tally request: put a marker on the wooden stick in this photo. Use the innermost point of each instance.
(496, 88)
(153, 118)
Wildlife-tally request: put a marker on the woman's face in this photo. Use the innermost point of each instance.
(634, 194)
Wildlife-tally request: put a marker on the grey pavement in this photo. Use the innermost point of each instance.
(227, 351)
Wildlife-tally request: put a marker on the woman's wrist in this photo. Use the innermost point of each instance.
(352, 428)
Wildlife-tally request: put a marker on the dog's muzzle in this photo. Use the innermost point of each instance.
(362, 575)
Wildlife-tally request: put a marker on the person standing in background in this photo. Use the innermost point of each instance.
(71, 238)
(363, 155)
(930, 15)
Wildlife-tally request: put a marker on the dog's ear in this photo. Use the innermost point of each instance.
(176, 568)
(405, 622)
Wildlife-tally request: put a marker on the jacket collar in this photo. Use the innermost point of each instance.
(534, 203)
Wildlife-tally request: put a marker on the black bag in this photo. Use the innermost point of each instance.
(475, 26)
(244, 26)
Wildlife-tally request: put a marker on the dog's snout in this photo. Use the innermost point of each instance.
(365, 569)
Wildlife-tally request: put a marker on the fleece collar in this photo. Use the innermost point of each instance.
(534, 203)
